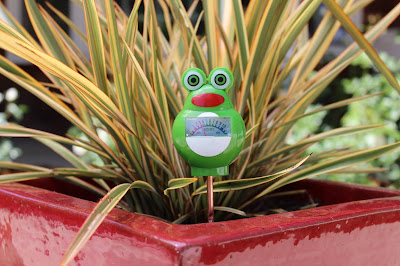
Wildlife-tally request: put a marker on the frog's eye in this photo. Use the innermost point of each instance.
(193, 79)
(221, 78)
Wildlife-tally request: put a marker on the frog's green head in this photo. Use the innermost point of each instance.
(207, 94)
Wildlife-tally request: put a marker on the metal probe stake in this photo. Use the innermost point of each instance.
(210, 197)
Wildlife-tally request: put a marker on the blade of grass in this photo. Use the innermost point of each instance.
(22, 79)
(131, 29)
(148, 87)
(183, 21)
(84, 88)
(329, 166)
(241, 33)
(300, 19)
(357, 170)
(230, 210)
(96, 47)
(177, 183)
(50, 42)
(337, 132)
(266, 29)
(362, 42)
(228, 49)
(67, 21)
(22, 167)
(318, 45)
(17, 177)
(80, 60)
(9, 18)
(116, 60)
(251, 130)
(239, 184)
(18, 131)
(64, 153)
(92, 173)
(323, 77)
(72, 158)
(211, 33)
(97, 216)
(332, 106)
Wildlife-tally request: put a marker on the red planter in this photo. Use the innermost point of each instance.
(360, 227)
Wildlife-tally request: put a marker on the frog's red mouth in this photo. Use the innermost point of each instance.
(208, 100)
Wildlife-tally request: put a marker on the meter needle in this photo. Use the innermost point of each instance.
(204, 130)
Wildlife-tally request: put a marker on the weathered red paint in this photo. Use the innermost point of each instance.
(361, 227)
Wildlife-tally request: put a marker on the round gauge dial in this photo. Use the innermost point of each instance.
(208, 126)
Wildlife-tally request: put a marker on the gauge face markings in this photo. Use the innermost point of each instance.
(208, 126)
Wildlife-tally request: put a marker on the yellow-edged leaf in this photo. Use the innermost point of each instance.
(177, 183)
(99, 213)
(329, 166)
(348, 24)
(238, 184)
(96, 47)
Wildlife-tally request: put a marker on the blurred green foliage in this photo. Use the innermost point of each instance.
(360, 79)
(10, 111)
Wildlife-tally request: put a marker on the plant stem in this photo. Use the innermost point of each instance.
(210, 197)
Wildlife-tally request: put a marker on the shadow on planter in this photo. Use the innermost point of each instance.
(358, 226)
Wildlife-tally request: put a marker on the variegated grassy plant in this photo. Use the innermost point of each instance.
(130, 88)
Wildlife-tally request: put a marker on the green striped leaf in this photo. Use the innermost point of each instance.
(348, 24)
(97, 216)
(334, 133)
(230, 210)
(17, 177)
(96, 47)
(177, 183)
(238, 184)
(330, 165)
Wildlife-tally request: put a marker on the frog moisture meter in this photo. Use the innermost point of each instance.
(208, 133)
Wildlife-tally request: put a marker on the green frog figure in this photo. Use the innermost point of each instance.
(208, 133)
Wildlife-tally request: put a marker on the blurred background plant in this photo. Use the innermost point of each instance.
(361, 78)
(10, 111)
(123, 98)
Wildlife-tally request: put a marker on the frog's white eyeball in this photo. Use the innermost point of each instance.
(221, 78)
(193, 79)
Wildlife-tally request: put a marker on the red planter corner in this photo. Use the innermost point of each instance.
(360, 226)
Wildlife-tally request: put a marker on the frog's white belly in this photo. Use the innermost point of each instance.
(208, 146)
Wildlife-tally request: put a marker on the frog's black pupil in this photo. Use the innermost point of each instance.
(193, 80)
(220, 79)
